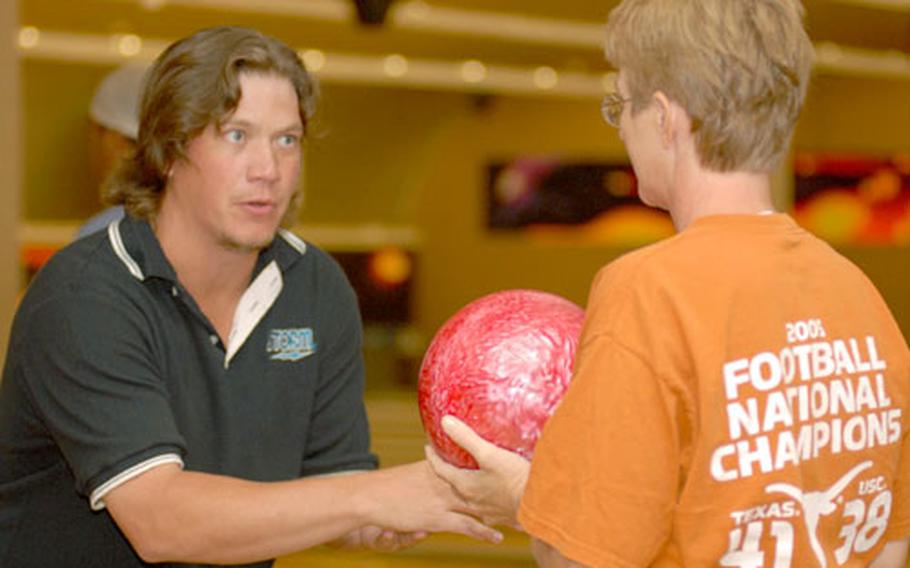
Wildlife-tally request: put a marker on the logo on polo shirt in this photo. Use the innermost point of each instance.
(291, 344)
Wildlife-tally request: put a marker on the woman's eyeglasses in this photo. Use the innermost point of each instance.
(611, 108)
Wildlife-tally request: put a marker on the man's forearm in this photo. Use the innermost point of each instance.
(173, 515)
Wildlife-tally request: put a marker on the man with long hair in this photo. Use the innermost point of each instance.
(186, 386)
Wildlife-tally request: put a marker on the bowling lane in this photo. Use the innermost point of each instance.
(398, 438)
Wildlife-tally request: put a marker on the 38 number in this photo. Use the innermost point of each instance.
(862, 539)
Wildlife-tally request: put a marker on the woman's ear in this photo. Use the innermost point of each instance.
(665, 116)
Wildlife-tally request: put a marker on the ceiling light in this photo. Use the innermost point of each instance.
(545, 78)
(313, 59)
(473, 71)
(395, 65)
(28, 37)
(415, 10)
(128, 44)
(152, 5)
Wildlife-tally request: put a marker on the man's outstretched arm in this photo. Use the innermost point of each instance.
(169, 514)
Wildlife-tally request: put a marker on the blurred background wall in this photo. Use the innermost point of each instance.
(10, 167)
(415, 109)
(403, 161)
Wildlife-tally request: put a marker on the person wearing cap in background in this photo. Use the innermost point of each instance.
(112, 132)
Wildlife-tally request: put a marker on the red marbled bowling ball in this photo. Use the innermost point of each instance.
(500, 364)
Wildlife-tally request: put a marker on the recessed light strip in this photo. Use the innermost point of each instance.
(330, 10)
(333, 67)
(399, 70)
(79, 48)
(417, 15)
(836, 59)
(465, 76)
(420, 16)
(896, 5)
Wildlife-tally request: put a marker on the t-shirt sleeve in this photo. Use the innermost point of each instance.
(88, 368)
(339, 438)
(605, 474)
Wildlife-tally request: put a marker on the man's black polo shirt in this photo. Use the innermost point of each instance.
(113, 369)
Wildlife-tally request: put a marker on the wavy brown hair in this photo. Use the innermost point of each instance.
(195, 82)
(740, 68)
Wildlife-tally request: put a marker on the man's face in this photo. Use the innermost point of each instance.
(238, 179)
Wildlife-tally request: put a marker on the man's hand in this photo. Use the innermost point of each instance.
(382, 540)
(378, 539)
(491, 492)
(416, 500)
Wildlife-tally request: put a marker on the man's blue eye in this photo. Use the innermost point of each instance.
(235, 135)
(287, 140)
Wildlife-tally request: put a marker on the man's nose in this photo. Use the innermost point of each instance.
(263, 163)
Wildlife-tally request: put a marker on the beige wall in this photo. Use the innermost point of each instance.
(55, 104)
(461, 259)
(856, 115)
(10, 164)
(370, 150)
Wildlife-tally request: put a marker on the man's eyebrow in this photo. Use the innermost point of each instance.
(293, 127)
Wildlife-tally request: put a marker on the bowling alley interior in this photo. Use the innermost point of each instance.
(457, 150)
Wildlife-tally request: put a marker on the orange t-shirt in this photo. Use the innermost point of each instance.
(740, 399)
